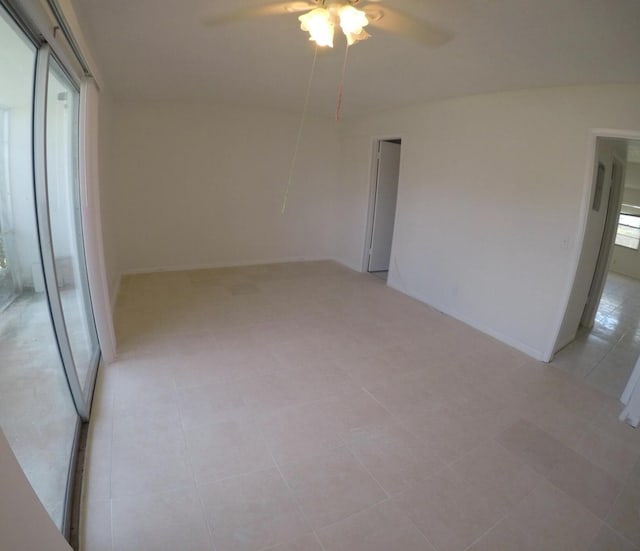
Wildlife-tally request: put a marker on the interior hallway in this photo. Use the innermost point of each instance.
(308, 407)
(605, 355)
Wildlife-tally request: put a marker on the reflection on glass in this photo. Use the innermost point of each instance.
(36, 410)
(64, 214)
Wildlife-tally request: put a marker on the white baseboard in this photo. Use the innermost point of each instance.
(514, 343)
(346, 264)
(526, 349)
(227, 264)
(114, 293)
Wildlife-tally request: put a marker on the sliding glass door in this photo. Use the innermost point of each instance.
(63, 198)
(48, 346)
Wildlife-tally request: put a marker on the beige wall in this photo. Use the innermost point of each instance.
(202, 185)
(491, 210)
(491, 202)
(108, 192)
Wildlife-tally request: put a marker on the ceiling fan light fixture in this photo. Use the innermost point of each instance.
(352, 23)
(319, 24)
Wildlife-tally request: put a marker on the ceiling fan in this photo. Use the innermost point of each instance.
(320, 18)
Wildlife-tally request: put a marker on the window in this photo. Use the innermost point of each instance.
(628, 232)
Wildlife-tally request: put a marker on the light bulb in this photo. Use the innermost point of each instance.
(318, 23)
(352, 22)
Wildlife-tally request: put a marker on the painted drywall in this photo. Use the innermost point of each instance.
(627, 261)
(489, 215)
(108, 192)
(202, 185)
(24, 523)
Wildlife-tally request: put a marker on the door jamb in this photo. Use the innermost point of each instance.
(591, 307)
(585, 205)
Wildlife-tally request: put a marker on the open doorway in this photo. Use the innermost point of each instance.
(384, 196)
(600, 341)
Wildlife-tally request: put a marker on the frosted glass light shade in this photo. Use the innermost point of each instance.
(319, 24)
(352, 22)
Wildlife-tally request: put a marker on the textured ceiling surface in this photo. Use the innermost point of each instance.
(164, 50)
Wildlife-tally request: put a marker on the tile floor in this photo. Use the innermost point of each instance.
(307, 407)
(383, 275)
(605, 356)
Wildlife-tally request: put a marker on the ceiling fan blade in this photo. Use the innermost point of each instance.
(396, 22)
(278, 8)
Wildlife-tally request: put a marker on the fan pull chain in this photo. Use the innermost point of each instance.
(300, 128)
(341, 87)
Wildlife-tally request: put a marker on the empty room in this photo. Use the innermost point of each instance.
(329, 275)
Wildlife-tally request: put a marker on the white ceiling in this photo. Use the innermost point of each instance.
(162, 50)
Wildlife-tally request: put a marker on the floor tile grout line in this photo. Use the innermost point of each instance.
(583, 457)
(424, 535)
(317, 538)
(366, 470)
(620, 534)
(388, 498)
(623, 487)
(216, 480)
(573, 499)
(169, 490)
(195, 483)
(111, 523)
(396, 418)
(111, 438)
(295, 499)
(356, 513)
(504, 517)
(111, 527)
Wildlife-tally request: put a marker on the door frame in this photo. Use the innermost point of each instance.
(585, 206)
(373, 179)
(605, 253)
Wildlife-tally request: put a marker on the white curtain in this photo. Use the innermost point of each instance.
(631, 398)
(92, 219)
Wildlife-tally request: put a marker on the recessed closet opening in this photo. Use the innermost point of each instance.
(382, 206)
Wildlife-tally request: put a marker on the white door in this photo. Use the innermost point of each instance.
(384, 210)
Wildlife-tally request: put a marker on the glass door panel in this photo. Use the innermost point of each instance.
(37, 413)
(65, 222)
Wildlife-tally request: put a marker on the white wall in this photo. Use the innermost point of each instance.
(627, 261)
(24, 523)
(489, 207)
(108, 192)
(489, 215)
(202, 185)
